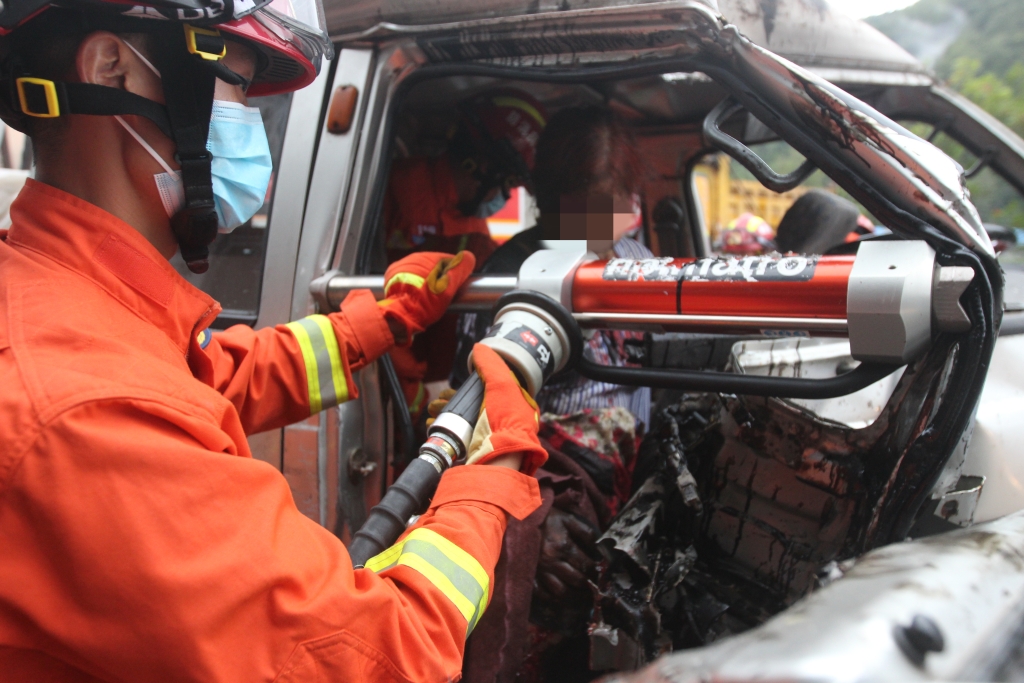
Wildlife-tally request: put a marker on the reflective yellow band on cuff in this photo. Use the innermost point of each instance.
(325, 370)
(417, 403)
(451, 570)
(416, 281)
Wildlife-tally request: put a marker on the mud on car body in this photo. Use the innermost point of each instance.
(745, 504)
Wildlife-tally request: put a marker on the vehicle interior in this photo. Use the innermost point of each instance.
(666, 113)
(784, 487)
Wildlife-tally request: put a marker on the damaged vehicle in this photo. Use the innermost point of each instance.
(813, 411)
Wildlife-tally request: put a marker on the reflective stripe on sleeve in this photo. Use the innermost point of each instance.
(325, 373)
(417, 403)
(416, 281)
(448, 567)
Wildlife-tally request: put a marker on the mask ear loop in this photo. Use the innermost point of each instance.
(134, 133)
(144, 60)
(146, 146)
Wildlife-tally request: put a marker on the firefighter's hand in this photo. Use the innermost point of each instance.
(435, 407)
(419, 288)
(567, 557)
(509, 418)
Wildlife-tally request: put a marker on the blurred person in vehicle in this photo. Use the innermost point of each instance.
(747, 235)
(588, 175)
(442, 204)
(142, 542)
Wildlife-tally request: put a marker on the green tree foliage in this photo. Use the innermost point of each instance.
(1003, 97)
(984, 61)
(991, 31)
(994, 36)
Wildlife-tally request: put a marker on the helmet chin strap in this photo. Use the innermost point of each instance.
(188, 91)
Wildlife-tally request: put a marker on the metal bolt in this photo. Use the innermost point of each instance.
(918, 639)
(359, 466)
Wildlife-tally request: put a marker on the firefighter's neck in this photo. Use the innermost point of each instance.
(96, 163)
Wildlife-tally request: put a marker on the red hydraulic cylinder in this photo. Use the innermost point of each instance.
(751, 292)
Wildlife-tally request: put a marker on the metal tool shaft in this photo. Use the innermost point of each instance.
(479, 294)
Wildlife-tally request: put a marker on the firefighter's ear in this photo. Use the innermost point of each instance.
(102, 59)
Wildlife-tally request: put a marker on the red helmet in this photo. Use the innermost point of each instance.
(748, 234)
(503, 127)
(289, 35)
(515, 116)
(188, 45)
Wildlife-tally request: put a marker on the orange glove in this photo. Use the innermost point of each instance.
(509, 417)
(419, 288)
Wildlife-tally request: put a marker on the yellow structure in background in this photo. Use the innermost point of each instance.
(723, 198)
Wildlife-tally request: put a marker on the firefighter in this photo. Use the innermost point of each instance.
(442, 204)
(141, 541)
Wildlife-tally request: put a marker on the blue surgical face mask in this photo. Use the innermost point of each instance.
(241, 164)
(488, 209)
(240, 168)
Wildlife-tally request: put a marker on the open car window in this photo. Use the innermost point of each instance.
(999, 203)
(740, 216)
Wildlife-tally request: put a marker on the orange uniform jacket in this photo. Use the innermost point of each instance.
(421, 212)
(140, 541)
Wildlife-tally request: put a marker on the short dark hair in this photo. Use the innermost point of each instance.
(584, 150)
(44, 48)
(47, 48)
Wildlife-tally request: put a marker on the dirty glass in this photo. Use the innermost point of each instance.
(237, 258)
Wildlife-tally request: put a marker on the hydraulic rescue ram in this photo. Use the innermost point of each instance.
(889, 300)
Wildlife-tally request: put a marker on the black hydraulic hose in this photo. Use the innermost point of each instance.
(402, 414)
(411, 493)
(553, 332)
(467, 400)
(730, 383)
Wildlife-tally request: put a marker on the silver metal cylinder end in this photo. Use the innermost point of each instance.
(950, 283)
(456, 427)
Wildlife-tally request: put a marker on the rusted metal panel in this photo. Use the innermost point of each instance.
(344, 17)
(300, 465)
(266, 446)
